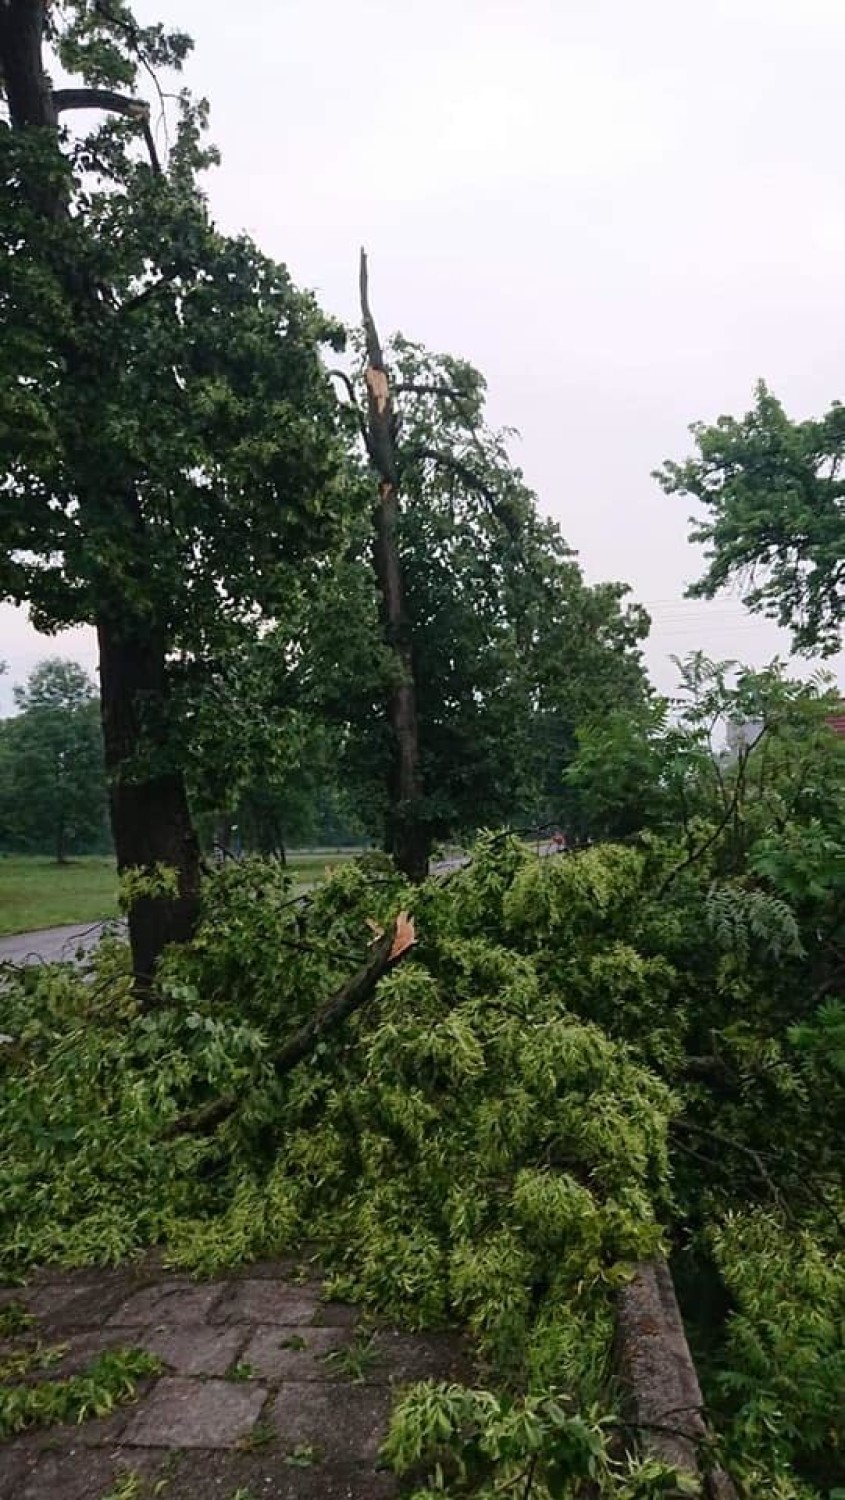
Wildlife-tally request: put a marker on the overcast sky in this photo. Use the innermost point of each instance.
(624, 214)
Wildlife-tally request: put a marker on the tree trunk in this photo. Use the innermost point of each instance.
(28, 90)
(223, 832)
(406, 835)
(151, 822)
(149, 807)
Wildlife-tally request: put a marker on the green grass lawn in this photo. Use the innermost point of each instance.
(36, 892)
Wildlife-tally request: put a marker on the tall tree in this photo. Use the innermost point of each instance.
(506, 646)
(773, 498)
(53, 786)
(167, 429)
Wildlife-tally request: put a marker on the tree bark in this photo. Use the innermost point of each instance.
(407, 837)
(149, 809)
(659, 1379)
(28, 91)
(150, 817)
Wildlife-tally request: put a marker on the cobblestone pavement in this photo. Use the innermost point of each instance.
(269, 1392)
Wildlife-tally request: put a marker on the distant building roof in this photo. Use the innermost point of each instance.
(837, 722)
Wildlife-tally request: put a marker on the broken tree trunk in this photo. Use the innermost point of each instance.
(658, 1377)
(406, 836)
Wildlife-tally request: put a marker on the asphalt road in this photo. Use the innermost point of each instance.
(52, 944)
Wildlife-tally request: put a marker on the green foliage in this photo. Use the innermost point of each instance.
(111, 1380)
(738, 917)
(198, 389)
(129, 1486)
(14, 1319)
(773, 519)
(586, 1059)
(25, 1360)
(786, 1374)
(302, 1456)
(263, 753)
(510, 644)
(633, 769)
(475, 1442)
(52, 780)
(136, 884)
(354, 1361)
(174, 456)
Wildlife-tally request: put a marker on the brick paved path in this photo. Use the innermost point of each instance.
(248, 1407)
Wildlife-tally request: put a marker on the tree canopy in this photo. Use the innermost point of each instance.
(498, 1100)
(169, 432)
(510, 647)
(52, 778)
(772, 520)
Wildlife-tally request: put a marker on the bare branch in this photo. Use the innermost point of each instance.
(130, 30)
(344, 379)
(119, 104)
(415, 388)
(353, 402)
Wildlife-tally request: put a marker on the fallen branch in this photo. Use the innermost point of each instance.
(390, 947)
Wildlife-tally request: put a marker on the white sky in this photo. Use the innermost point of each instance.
(622, 213)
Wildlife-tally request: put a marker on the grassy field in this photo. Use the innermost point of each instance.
(36, 892)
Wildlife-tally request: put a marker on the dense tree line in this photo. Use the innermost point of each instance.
(53, 797)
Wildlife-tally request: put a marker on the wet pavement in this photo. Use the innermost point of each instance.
(52, 945)
(266, 1389)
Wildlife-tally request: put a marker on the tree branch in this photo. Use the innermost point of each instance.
(353, 399)
(457, 467)
(152, 290)
(722, 824)
(350, 389)
(387, 952)
(474, 481)
(417, 388)
(119, 104)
